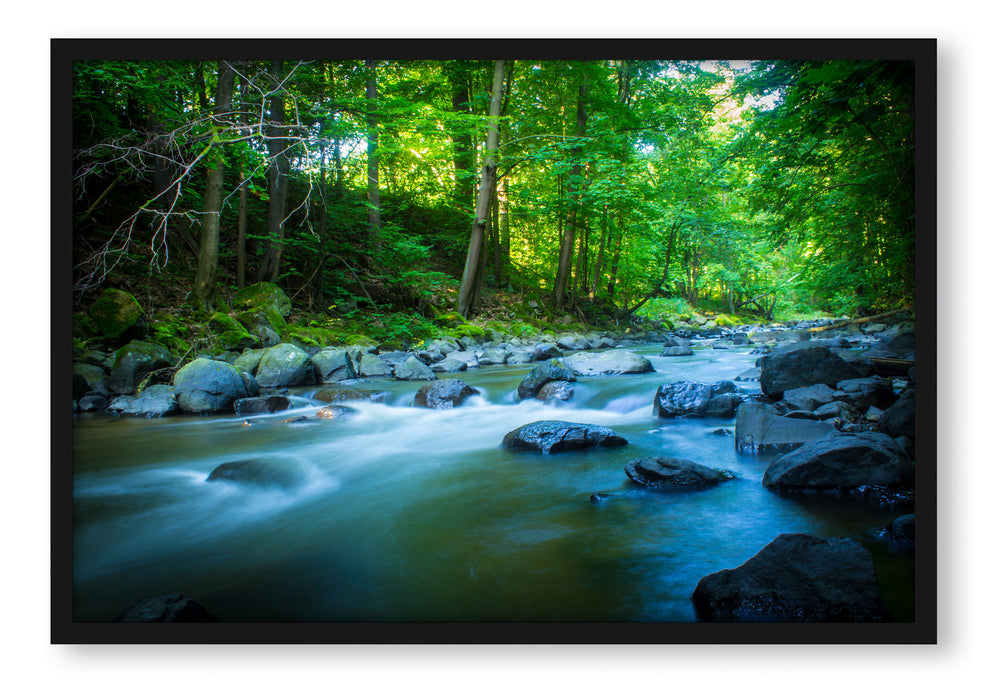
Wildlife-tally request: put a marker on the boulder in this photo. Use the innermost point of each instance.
(842, 461)
(808, 398)
(519, 358)
(272, 403)
(209, 386)
(898, 420)
(468, 357)
(796, 578)
(134, 361)
(608, 362)
(285, 365)
(689, 398)
(263, 295)
(493, 356)
(338, 395)
(865, 392)
(899, 345)
(836, 409)
(449, 364)
(269, 471)
(173, 607)
(332, 365)
(373, 366)
(92, 402)
(677, 352)
(758, 427)
(552, 436)
(801, 365)
(118, 317)
(544, 351)
(413, 370)
(673, 473)
(546, 371)
(443, 394)
(556, 391)
(156, 400)
(900, 530)
(573, 342)
(89, 379)
(249, 360)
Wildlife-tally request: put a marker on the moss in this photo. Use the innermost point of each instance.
(117, 314)
(238, 340)
(263, 295)
(450, 320)
(467, 329)
(220, 322)
(361, 340)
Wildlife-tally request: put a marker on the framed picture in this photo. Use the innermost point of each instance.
(493, 341)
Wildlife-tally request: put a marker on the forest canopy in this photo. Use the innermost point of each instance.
(393, 193)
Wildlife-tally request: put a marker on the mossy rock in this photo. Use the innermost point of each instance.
(467, 329)
(238, 340)
(522, 329)
(255, 318)
(450, 320)
(118, 316)
(308, 336)
(264, 295)
(220, 322)
(360, 340)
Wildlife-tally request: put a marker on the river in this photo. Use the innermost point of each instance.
(408, 514)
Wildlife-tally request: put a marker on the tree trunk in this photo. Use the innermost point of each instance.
(495, 241)
(504, 230)
(614, 273)
(374, 197)
(209, 241)
(470, 277)
(278, 170)
(460, 98)
(606, 240)
(567, 244)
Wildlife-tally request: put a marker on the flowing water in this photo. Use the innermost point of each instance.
(409, 514)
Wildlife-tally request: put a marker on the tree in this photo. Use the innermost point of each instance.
(470, 281)
(278, 174)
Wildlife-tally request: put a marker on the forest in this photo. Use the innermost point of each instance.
(398, 198)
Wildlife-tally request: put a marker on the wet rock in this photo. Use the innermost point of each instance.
(802, 364)
(808, 398)
(173, 607)
(901, 530)
(556, 391)
(338, 395)
(573, 342)
(262, 404)
(519, 358)
(750, 375)
(836, 409)
(677, 352)
(134, 361)
(865, 392)
(155, 401)
(209, 386)
(333, 365)
(493, 356)
(844, 462)
(796, 578)
(413, 370)
(334, 412)
(545, 351)
(674, 473)
(285, 365)
(759, 426)
(899, 345)
(607, 362)
(898, 420)
(689, 398)
(547, 371)
(553, 436)
(443, 394)
(270, 471)
(449, 364)
(92, 402)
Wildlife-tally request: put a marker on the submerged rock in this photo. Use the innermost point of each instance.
(842, 461)
(443, 393)
(758, 427)
(608, 362)
(261, 404)
(674, 473)
(552, 436)
(270, 471)
(173, 607)
(334, 412)
(556, 391)
(338, 395)
(796, 578)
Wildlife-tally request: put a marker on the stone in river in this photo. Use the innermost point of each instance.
(674, 473)
(552, 436)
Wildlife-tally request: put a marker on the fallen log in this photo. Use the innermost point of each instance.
(861, 319)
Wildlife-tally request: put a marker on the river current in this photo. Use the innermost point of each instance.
(409, 514)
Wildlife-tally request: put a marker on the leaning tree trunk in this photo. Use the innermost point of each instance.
(209, 241)
(470, 280)
(277, 173)
(374, 194)
(567, 242)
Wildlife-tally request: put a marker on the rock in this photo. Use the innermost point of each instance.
(674, 341)
(842, 461)
(898, 420)
(334, 412)
(118, 317)
(285, 365)
(443, 393)
(808, 398)
(209, 386)
(449, 364)
(836, 409)
(89, 379)
(673, 473)
(873, 414)
(270, 471)
(134, 361)
(493, 356)
(519, 358)
(468, 357)
(865, 392)
(901, 529)
(249, 360)
(414, 370)
(547, 371)
(899, 345)
(92, 402)
(272, 403)
(552, 436)
(573, 342)
(338, 395)
(758, 426)
(556, 391)
(544, 351)
(677, 352)
(740, 339)
(750, 375)
(264, 295)
(332, 365)
(155, 401)
(796, 578)
(607, 362)
(800, 365)
(173, 607)
(689, 398)
(373, 366)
